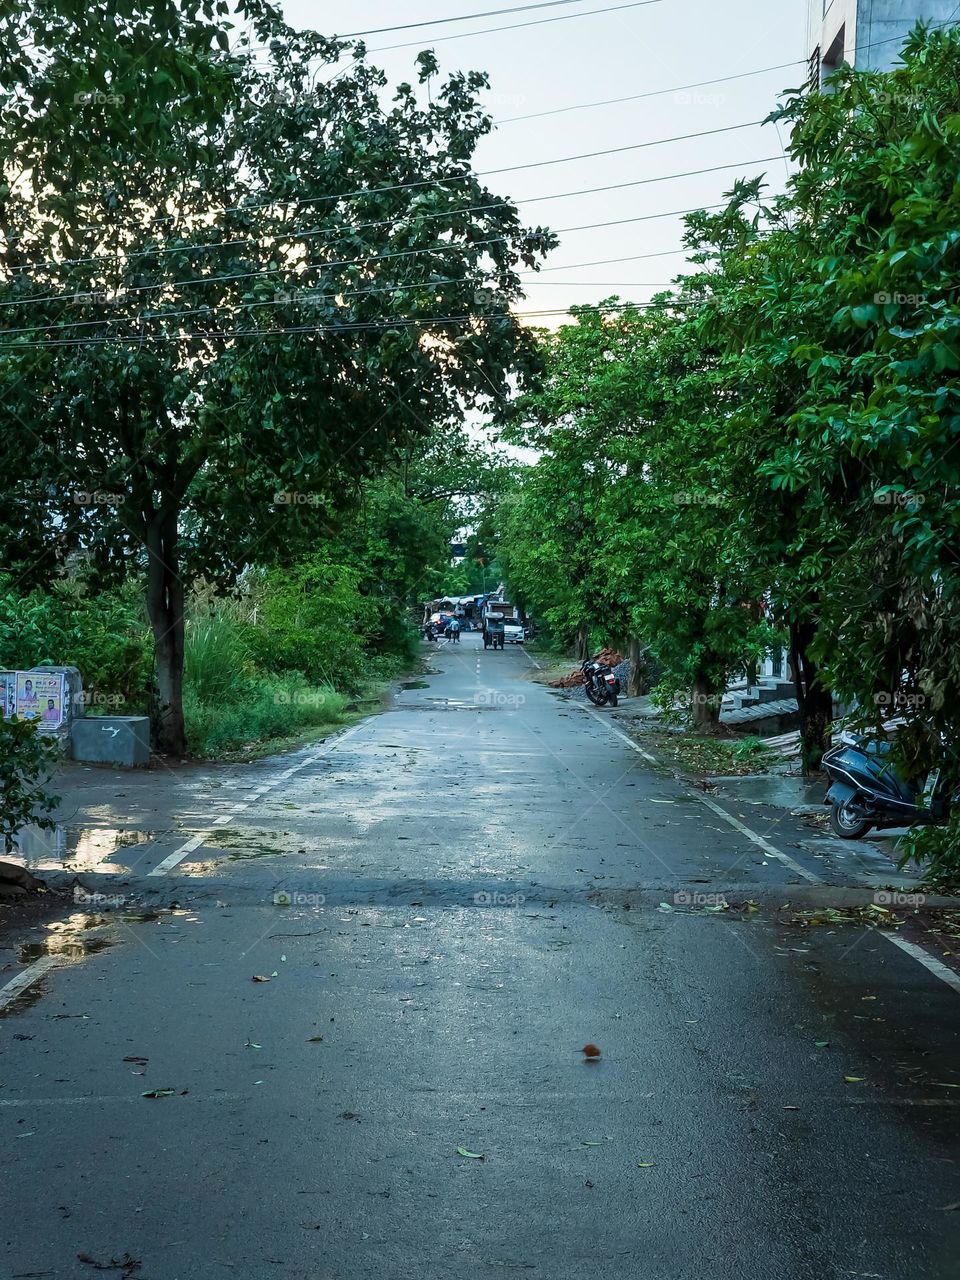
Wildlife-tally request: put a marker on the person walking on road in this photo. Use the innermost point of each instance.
(453, 630)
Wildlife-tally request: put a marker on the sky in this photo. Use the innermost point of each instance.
(640, 49)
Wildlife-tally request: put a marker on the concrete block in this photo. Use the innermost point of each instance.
(117, 740)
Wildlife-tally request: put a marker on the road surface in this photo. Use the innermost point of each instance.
(447, 903)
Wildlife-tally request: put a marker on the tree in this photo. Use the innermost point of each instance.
(235, 300)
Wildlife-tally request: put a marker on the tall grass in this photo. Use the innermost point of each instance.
(229, 703)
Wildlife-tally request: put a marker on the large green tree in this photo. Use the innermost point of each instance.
(232, 291)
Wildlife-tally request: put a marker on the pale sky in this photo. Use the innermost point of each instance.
(640, 49)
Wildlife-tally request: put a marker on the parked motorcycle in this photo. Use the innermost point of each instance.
(866, 791)
(600, 684)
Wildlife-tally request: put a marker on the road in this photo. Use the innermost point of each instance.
(447, 903)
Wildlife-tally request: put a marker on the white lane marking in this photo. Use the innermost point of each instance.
(771, 850)
(112, 1098)
(929, 962)
(178, 855)
(16, 986)
(622, 736)
(922, 956)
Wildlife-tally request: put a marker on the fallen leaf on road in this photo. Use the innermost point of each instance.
(854, 1079)
(314, 1039)
(469, 1155)
(141, 1062)
(127, 1263)
(258, 977)
(646, 1164)
(790, 1107)
(252, 1044)
(949, 1208)
(664, 906)
(591, 1051)
(159, 1093)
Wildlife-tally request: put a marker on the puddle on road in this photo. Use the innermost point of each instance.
(72, 848)
(782, 792)
(415, 684)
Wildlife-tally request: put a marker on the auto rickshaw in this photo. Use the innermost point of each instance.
(493, 633)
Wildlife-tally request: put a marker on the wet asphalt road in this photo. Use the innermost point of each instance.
(448, 902)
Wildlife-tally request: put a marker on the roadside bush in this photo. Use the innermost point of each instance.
(104, 635)
(26, 760)
(217, 661)
(310, 619)
(230, 702)
(265, 707)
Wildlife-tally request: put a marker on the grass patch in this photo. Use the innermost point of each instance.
(263, 709)
(708, 755)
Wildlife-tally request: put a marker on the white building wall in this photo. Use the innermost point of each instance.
(873, 30)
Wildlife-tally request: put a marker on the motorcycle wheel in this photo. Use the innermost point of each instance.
(611, 699)
(846, 824)
(593, 695)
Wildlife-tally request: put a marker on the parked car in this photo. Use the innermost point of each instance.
(513, 631)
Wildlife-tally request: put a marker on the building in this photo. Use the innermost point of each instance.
(866, 34)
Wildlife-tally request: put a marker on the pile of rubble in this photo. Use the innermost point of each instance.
(609, 658)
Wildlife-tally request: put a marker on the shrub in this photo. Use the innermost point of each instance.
(309, 619)
(268, 707)
(26, 759)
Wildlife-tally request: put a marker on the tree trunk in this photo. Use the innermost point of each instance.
(706, 704)
(165, 610)
(583, 642)
(815, 701)
(637, 684)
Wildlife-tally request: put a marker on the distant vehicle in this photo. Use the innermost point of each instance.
(493, 633)
(513, 631)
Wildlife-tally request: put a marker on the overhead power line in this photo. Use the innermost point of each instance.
(303, 233)
(651, 93)
(375, 326)
(417, 183)
(369, 260)
(484, 31)
(463, 17)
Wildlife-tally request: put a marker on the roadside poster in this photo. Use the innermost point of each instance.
(33, 695)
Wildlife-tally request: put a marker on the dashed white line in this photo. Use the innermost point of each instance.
(194, 842)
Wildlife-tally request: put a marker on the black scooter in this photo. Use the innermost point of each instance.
(866, 791)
